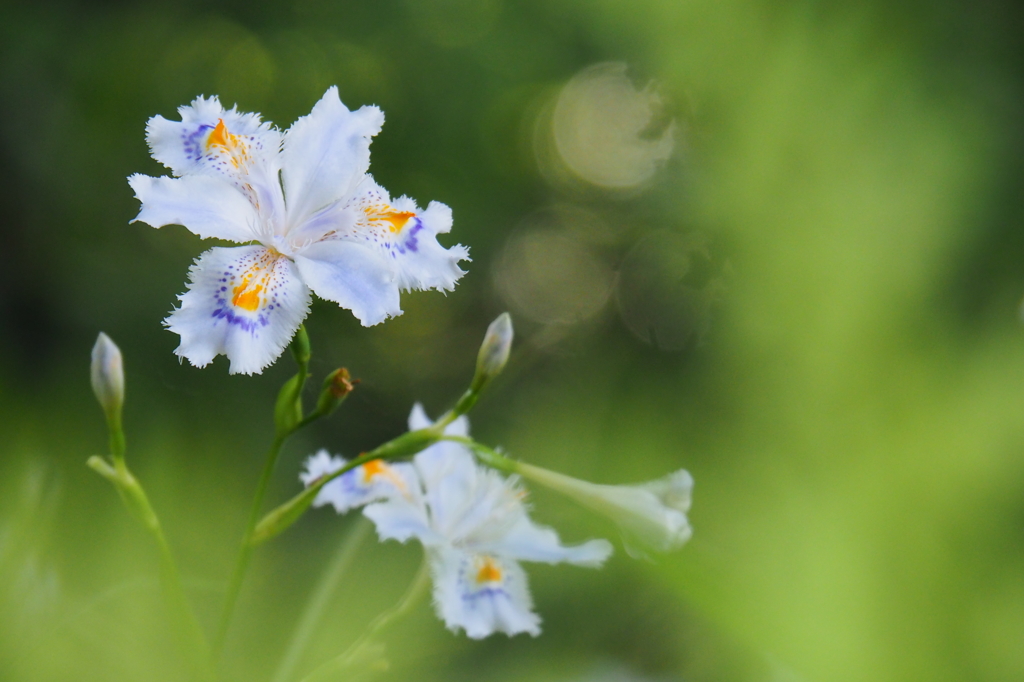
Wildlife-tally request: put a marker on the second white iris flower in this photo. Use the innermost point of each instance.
(472, 522)
(318, 220)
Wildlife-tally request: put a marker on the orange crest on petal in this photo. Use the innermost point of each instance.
(246, 296)
(488, 571)
(396, 220)
(377, 467)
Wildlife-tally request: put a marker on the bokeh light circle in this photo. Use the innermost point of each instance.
(602, 128)
(548, 274)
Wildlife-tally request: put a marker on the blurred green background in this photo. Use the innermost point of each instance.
(776, 243)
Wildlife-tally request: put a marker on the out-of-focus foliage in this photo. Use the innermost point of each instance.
(779, 244)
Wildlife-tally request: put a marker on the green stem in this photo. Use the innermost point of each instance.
(245, 551)
(117, 440)
(283, 516)
(288, 419)
(180, 608)
(182, 616)
(363, 647)
(486, 455)
(318, 599)
(463, 405)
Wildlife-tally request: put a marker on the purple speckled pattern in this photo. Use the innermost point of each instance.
(193, 146)
(411, 244)
(232, 162)
(262, 269)
(373, 206)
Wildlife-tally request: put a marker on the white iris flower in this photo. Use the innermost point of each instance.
(472, 522)
(318, 220)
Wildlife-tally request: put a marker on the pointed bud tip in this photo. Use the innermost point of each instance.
(107, 374)
(494, 350)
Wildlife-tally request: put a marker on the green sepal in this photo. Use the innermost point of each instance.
(300, 347)
(405, 445)
(335, 389)
(282, 517)
(288, 410)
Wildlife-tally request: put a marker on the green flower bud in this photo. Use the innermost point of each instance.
(300, 346)
(288, 409)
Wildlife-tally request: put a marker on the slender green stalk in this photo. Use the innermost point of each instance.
(117, 441)
(283, 516)
(287, 419)
(181, 609)
(364, 649)
(490, 361)
(319, 598)
(245, 551)
(486, 455)
(183, 618)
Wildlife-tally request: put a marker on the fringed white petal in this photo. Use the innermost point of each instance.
(527, 541)
(456, 490)
(475, 527)
(421, 261)
(325, 155)
(482, 594)
(182, 145)
(405, 516)
(244, 302)
(207, 206)
(235, 146)
(352, 275)
(407, 236)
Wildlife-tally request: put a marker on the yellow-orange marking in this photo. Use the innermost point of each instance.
(246, 296)
(489, 571)
(377, 467)
(220, 137)
(229, 142)
(397, 219)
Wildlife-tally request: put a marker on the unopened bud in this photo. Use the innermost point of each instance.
(336, 388)
(108, 375)
(300, 346)
(493, 351)
(651, 515)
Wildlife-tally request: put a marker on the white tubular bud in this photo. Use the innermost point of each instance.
(652, 514)
(107, 375)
